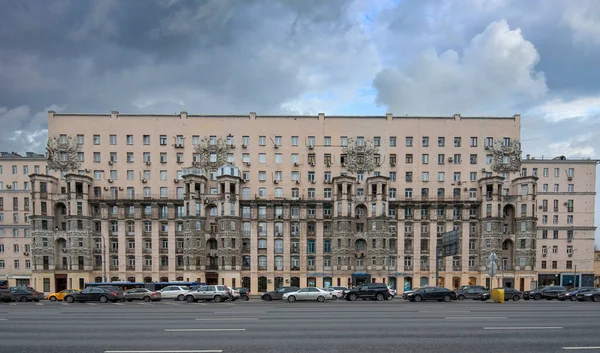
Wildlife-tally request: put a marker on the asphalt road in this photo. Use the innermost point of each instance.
(340, 326)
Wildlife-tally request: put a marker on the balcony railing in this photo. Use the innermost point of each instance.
(212, 267)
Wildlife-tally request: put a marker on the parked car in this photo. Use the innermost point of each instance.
(174, 292)
(470, 293)
(337, 292)
(102, 295)
(549, 292)
(4, 294)
(467, 287)
(118, 290)
(432, 293)
(22, 295)
(393, 293)
(591, 296)
(310, 293)
(509, 294)
(571, 294)
(278, 293)
(375, 291)
(216, 293)
(244, 293)
(60, 295)
(142, 294)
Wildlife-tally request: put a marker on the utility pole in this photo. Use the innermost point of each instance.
(575, 277)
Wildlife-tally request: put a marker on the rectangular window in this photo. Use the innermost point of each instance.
(392, 141)
(473, 142)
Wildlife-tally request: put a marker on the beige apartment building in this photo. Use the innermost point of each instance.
(15, 210)
(566, 193)
(265, 201)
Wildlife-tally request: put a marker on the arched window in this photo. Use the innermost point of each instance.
(179, 279)
(246, 282)
(114, 279)
(213, 211)
(147, 279)
(164, 279)
(164, 192)
(246, 194)
(278, 192)
(98, 279)
(262, 284)
(278, 282)
(262, 193)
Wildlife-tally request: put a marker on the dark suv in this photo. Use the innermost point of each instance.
(374, 291)
(4, 294)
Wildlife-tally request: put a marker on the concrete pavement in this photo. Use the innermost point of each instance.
(340, 326)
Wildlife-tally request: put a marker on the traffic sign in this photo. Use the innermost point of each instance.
(492, 269)
(492, 258)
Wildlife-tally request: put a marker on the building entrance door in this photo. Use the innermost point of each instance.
(212, 278)
(60, 282)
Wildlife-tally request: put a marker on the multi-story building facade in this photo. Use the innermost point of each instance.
(15, 210)
(566, 193)
(264, 201)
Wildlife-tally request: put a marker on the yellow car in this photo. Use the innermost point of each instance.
(60, 295)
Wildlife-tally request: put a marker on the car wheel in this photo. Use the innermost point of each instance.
(129, 300)
(189, 299)
(267, 298)
(379, 297)
(461, 297)
(69, 299)
(245, 298)
(353, 297)
(334, 297)
(516, 298)
(418, 298)
(23, 299)
(447, 298)
(320, 298)
(53, 299)
(146, 298)
(103, 299)
(291, 299)
(596, 298)
(218, 298)
(537, 297)
(573, 299)
(180, 298)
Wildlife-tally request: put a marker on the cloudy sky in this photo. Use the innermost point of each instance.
(475, 57)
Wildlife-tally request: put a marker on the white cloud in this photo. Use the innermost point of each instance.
(559, 109)
(24, 131)
(495, 73)
(583, 17)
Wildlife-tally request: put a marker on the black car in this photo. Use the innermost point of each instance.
(549, 293)
(571, 294)
(102, 295)
(592, 296)
(509, 294)
(432, 293)
(375, 291)
(470, 293)
(244, 293)
(278, 293)
(4, 294)
(23, 295)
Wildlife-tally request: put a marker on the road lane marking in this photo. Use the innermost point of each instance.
(92, 304)
(580, 348)
(3, 319)
(474, 317)
(39, 304)
(229, 319)
(203, 329)
(178, 351)
(118, 303)
(524, 328)
(446, 312)
(65, 304)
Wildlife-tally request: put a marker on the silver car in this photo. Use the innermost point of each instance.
(216, 293)
(142, 294)
(310, 293)
(174, 292)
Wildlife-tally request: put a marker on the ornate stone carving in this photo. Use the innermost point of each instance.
(360, 157)
(512, 153)
(62, 153)
(218, 149)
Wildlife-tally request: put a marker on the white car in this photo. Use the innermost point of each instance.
(393, 293)
(310, 293)
(174, 292)
(336, 291)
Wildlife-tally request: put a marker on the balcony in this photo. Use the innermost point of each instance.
(456, 268)
(246, 268)
(212, 267)
(147, 234)
(130, 267)
(179, 267)
(130, 251)
(147, 268)
(424, 267)
(295, 250)
(147, 215)
(114, 250)
(164, 250)
(179, 250)
(147, 250)
(163, 268)
(97, 267)
(114, 267)
(245, 249)
(163, 233)
(424, 251)
(97, 251)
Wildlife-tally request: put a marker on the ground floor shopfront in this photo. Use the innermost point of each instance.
(49, 281)
(567, 279)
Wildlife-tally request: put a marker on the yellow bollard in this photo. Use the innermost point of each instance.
(498, 295)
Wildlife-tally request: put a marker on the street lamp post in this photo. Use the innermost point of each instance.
(104, 256)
